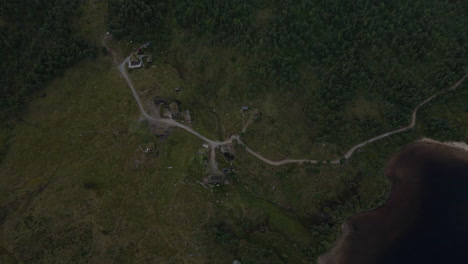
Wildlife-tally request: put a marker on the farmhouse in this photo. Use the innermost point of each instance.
(134, 61)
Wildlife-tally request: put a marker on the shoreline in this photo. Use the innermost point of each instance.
(454, 144)
(384, 225)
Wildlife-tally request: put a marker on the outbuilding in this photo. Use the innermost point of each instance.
(214, 179)
(256, 113)
(160, 132)
(150, 147)
(174, 108)
(187, 116)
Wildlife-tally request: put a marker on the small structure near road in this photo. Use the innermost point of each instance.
(161, 132)
(134, 61)
(187, 116)
(149, 147)
(227, 151)
(227, 148)
(245, 108)
(205, 145)
(149, 59)
(158, 101)
(202, 151)
(174, 107)
(151, 150)
(256, 113)
(214, 179)
(228, 156)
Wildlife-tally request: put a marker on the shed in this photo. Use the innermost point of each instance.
(149, 59)
(151, 150)
(215, 179)
(174, 108)
(177, 89)
(160, 132)
(228, 156)
(150, 147)
(202, 151)
(187, 116)
(158, 100)
(245, 108)
(227, 148)
(257, 112)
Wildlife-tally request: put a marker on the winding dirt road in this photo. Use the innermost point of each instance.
(167, 122)
(214, 144)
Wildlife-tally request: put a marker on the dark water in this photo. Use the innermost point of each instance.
(440, 233)
(424, 220)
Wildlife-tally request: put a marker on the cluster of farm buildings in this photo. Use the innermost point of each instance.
(136, 57)
(170, 109)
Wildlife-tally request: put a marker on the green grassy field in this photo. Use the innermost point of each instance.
(76, 180)
(76, 186)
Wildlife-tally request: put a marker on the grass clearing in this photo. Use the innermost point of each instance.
(282, 223)
(91, 24)
(81, 142)
(362, 108)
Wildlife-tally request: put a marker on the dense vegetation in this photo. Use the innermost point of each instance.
(395, 53)
(37, 43)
